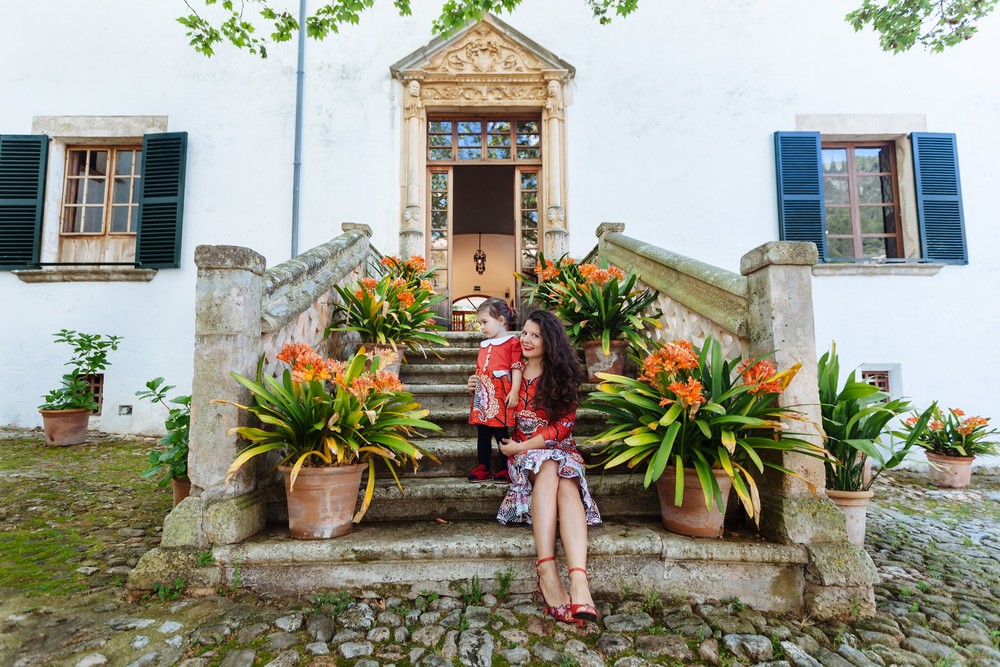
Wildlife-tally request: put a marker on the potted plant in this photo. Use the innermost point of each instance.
(854, 420)
(329, 420)
(698, 423)
(170, 463)
(551, 275)
(605, 312)
(396, 309)
(951, 441)
(66, 410)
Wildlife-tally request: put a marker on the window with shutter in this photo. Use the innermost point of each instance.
(23, 160)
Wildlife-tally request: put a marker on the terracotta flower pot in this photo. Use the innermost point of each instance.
(692, 517)
(65, 427)
(181, 487)
(598, 362)
(854, 505)
(321, 504)
(950, 472)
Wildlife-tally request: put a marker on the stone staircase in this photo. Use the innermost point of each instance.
(440, 531)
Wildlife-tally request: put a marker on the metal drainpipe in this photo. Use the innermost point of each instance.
(297, 161)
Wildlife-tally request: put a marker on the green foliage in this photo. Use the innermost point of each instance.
(90, 356)
(366, 414)
(651, 602)
(950, 433)
(504, 580)
(169, 463)
(550, 273)
(228, 23)
(397, 309)
(691, 408)
(206, 558)
(425, 598)
(169, 591)
(935, 24)
(854, 420)
(473, 593)
(339, 602)
(734, 604)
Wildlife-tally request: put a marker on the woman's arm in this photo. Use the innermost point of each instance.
(510, 448)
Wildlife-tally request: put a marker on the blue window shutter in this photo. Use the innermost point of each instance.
(939, 198)
(161, 201)
(23, 161)
(801, 206)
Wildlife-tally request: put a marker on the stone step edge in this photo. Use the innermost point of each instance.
(423, 488)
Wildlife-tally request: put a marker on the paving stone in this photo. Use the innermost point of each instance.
(290, 623)
(434, 660)
(755, 648)
(628, 622)
(93, 660)
(475, 648)
(211, 635)
(870, 637)
(195, 662)
(797, 656)
(400, 635)
(515, 636)
(320, 627)
(360, 618)
(430, 618)
(389, 619)
(428, 635)
(452, 619)
(351, 650)
(708, 651)
(929, 649)
(130, 623)
(286, 659)
(656, 646)
(773, 663)
(279, 641)
(610, 645)
(920, 632)
(251, 632)
(899, 656)
(318, 648)
(631, 661)
(854, 656)
(546, 653)
(415, 654)
(139, 642)
(478, 617)
(539, 627)
(366, 663)
(346, 636)
(169, 627)
(515, 656)
(830, 659)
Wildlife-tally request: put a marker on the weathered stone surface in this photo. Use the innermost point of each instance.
(830, 659)
(854, 656)
(346, 636)
(478, 617)
(671, 646)
(428, 635)
(577, 651)
(379, 635)
(286, 659)
(628, 622)
(318, 648)
(93, 660)
(934, 651)
(881, 638)
(351, 650)
(798, 657)
(389, 619)
(708, 651)
(545, 652)
(320, 627)
(290, 623)
(251, 632)
(279, 641)
(475, 648)
(631, 661)
(449, 647)
(900, 656)
(359, 617)
(515, 636)
(515, 656)
(611, 645)
(754, 648)
(539, 627)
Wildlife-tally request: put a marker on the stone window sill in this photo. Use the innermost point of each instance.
(876, 269)
(83, 274)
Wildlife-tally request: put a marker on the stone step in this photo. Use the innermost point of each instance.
(435, 374)
(414, 558)
(446, 355)
(454, 422)
(436, 397)
(457, 457)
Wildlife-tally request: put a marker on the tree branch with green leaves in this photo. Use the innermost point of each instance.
(935, 24)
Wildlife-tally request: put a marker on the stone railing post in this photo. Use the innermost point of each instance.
(840, 576)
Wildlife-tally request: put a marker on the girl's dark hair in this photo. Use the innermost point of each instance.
(559, 385)
(497, 308)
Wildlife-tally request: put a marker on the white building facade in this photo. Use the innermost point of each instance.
(514, 136)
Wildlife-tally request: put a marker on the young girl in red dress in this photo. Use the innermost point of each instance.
(498, 380)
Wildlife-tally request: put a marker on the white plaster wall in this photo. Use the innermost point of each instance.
(669, 130)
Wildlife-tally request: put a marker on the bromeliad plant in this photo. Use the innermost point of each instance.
(695, 410)
(323, 412)
(950, 433)
(604, 305)
(90, 356)
(171, 462)
(396, 309)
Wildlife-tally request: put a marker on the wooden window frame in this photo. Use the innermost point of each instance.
(854, 205)
(519, 211)
(107, 205)
(435, 168)
(484, 135)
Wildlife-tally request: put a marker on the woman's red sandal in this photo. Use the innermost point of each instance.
(586, 612)
(560, 613)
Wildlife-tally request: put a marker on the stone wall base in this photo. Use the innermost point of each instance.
(840, 580)
(199, 522)
(802, 520)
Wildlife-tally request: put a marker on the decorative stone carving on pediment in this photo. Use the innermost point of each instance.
(482, 92)
(484, 50)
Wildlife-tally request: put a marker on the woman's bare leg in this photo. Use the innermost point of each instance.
(573, 531)
(543, 523)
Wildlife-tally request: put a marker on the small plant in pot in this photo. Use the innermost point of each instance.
(951, 440)
(66, 410)
(330, 420)
(170, 463)
(396, 309)
(855, 418)
(606, 313)
(698, 423)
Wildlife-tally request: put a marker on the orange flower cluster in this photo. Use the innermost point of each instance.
(971, 424)
(416, 263)
(936, 425)
(672, 357)
(398, 282)
(307, 365)
(406, 299)
(759, 375)
(548, 271)
(427, 285)
(957, 412)
(391, 261)
(688, 393)
(911, 421)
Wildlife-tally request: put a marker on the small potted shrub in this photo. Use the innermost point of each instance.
(854, 420)
(330, 420)
(170, 463)
(951, 441)
(697, 423)
(66, 410)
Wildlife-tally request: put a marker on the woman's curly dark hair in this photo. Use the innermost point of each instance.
(559, 386)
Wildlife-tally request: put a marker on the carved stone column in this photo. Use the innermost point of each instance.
(556, 235)
(411, 229)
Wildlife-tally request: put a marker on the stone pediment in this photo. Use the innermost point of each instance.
(483, 51)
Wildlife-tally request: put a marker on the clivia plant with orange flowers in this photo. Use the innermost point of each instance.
(951, 433)
(692, 409)
(550, 274)
(604, 304)
(396, 309)
(323, 412)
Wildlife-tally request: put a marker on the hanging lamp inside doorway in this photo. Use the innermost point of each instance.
(480, 258)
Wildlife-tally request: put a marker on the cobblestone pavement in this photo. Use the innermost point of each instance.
(74, 521)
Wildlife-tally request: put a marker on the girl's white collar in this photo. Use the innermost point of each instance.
(497, 341)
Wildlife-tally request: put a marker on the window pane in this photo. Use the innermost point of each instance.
(439, 258)
(119, 219)
(439, 154)
(498, 126)
(529, 238)
(873, 246)
(121, 190)
(529, 200)
(527, 140)
(872, 160)
(874, 189)
(529, 219)
(529, 180)
(73, 219)
(527, 126)
(498, 140)
(439, 220)
(136, 185)
(835, 189)
(838, 220)
(93, 219)
(98, 163)
(439, 140)
(74, 191)
(123, 163)
(529, 258)
(473, 140)
(95, 191)
(439, 200)
(878, 220)
(834, 160)
(439, 181)
(439, 241)
(839, 248)
(77, 163)
(528, 154)
(138, 163)
(470, 153)
(470, 126)
(498, 154)
(441, 126)
(440, 279)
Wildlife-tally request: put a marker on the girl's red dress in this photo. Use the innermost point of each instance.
(497, 358)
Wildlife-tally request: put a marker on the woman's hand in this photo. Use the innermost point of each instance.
(472, 384)
(509, 448)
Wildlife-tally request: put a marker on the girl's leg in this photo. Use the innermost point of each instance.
(484, 445)
(543, 524)
(573, 532)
